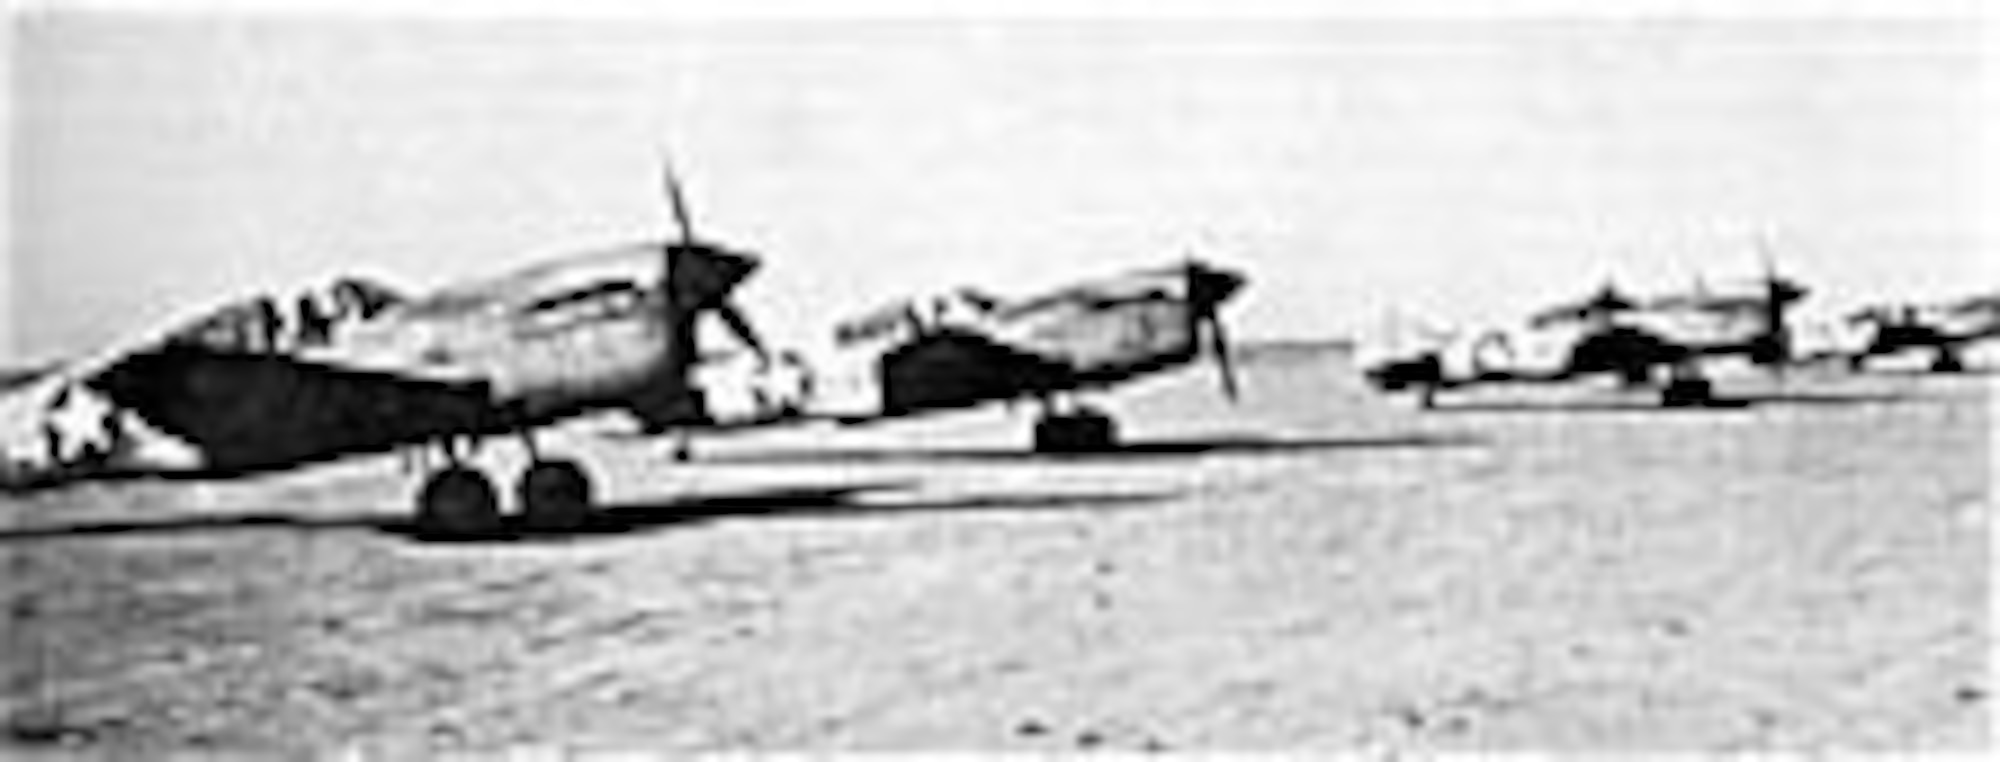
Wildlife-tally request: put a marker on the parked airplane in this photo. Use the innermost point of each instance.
(1616, 333)
(1947, 328)
(244, 389)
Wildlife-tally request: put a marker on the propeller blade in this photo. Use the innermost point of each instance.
(679, 204)
(1218, 343)
(1207, 289)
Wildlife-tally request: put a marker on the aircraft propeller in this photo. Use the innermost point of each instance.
(694, 277)
(1207, 289)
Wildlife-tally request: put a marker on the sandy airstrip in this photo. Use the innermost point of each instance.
(1315, 568)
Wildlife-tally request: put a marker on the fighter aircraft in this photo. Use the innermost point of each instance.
(360, 368)
(1945, 327)
(1616, 333)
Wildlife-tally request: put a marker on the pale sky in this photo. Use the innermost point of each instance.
(1469, 170)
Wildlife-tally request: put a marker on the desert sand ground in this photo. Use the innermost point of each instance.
(1315, 568)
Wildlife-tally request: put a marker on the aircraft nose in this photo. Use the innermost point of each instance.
(1210, 286)
(702, 276)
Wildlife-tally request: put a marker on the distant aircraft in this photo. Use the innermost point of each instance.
(1946, 328)
(361, 368)
(1616, 333)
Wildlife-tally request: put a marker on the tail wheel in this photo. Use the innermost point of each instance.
(458, 501)
(555, 495)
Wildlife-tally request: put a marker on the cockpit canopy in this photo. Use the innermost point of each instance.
(267, 324)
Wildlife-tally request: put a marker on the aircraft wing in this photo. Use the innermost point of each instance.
(179, 409)
(244, 385)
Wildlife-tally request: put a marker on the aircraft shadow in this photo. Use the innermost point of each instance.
(1720, 403)
(1138, 451)
(623, 518)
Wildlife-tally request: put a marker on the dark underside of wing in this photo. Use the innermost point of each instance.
(260, 412)
(252, 412)
(953, 369)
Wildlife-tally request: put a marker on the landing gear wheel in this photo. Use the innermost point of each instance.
(1685, 392)
(457, 502)
(1085, 432)
(1947, 363)
(1857, 363)
(555, 496)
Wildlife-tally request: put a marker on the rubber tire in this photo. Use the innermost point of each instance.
(1072, 434)
(458, 502)
(1947, 365)
(555, 496)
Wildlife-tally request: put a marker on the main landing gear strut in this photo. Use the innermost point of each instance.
(1947, 360)
(1686, 388)
(460, 501)
(1427, 396)
(1080, 429)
